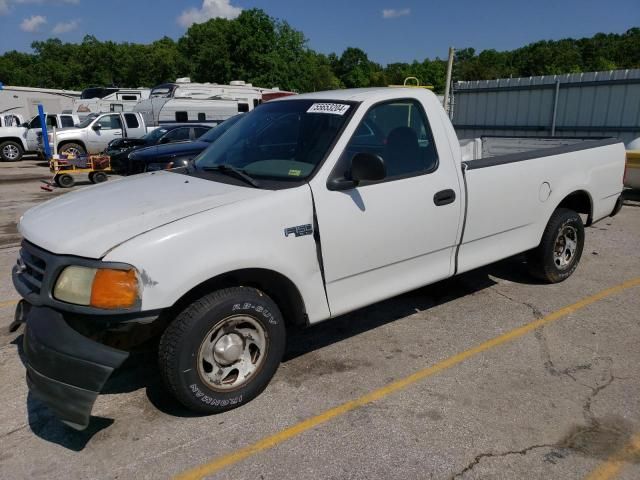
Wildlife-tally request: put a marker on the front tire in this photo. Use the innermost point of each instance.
(222, 350)
(11, 151)
(74, 149)
(559, 252)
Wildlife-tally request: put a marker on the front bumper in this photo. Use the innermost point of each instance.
(66, 370)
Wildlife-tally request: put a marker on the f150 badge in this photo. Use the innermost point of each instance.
(299, 230)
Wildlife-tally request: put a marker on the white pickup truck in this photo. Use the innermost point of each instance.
(309, 207)
(16, 140)
(94, 133)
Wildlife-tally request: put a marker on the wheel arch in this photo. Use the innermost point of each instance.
(17, 140)
(276, 285)
(66, 142)
(579, 201)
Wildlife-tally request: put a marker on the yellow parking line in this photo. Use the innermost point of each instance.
(614, 464)
(295, 430)
(8, 303)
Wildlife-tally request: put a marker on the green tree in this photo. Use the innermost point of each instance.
(269, 52)
(354, 68)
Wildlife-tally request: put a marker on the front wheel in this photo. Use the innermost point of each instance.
(222, 350)
(560, 249)
(11, 151)
(73, 149)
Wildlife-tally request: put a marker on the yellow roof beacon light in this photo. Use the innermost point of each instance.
(416, 85)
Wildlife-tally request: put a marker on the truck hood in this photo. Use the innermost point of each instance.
(92, 221)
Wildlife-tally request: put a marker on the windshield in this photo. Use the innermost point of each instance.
(216, 132)
(154, 135)
(280, 140)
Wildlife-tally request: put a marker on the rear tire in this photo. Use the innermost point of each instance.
(559, 252)
(11, 151)
(222, 350)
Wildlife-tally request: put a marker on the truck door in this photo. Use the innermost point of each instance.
(34, 133)
(384, 238)
(110, 129)
(134, 128)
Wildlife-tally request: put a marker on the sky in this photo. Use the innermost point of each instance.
(388, 30)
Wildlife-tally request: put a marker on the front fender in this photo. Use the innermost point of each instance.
(250, 234)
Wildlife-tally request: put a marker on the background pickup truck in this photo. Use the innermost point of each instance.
(17, 140)
(307, 208)
(94, 133)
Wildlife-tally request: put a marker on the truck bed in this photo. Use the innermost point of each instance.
(484, 147)
(510, 196)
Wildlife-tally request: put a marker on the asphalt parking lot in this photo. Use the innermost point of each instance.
(489, 375)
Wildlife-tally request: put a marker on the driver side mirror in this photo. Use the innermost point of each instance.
(96, 127)
(165, 140)
(365, 167)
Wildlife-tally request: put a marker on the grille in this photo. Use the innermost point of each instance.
(32, 269)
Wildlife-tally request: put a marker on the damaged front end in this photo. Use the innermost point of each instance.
(69, 348)
(65, 370)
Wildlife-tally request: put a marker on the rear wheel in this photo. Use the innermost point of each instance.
(222, 350)
(11, 151)
(559, 252)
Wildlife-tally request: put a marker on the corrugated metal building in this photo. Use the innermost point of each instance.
(594, 104)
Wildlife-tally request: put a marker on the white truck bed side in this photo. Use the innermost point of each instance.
(509, 203)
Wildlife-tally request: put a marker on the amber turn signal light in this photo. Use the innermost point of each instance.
(114, 289)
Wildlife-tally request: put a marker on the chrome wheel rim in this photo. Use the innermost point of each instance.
(565, 247)
(10, 151)
(232, 352)
(72, 151)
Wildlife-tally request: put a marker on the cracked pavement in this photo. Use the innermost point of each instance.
(554, 403)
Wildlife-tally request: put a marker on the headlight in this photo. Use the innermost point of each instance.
(97, 287)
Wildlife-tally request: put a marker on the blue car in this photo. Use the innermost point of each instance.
(120, 148)
(172, 155)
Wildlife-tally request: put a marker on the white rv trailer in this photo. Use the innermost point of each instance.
(23, 101)
(108, 99)
(158, 111)
(247, 96)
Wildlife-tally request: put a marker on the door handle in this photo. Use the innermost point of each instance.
(444, 197)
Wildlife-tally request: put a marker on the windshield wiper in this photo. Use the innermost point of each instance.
(229, 169)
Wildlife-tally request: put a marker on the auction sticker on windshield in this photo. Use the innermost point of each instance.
(333, 108)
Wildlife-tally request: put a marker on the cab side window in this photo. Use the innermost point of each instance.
(66, 121)
(177, 135)
(110, 122)
(399, 132)
(199, 131)
(131, 120)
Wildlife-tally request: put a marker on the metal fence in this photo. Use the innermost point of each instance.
(594, 104)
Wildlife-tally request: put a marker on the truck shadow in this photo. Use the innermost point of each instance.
(140, 370)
